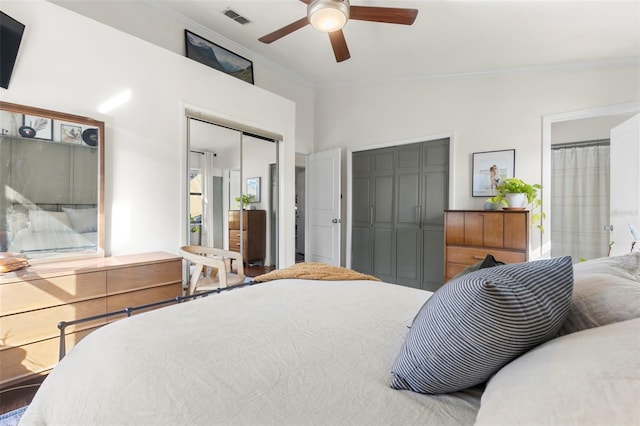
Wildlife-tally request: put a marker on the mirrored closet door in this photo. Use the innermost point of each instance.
(233, 191)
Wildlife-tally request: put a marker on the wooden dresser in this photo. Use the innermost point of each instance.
(254, 223)
(470, 235)
(34, 300)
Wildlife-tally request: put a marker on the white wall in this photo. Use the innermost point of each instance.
(267, 75)
(587, 129)
(72, 64)
(257, 156)
(484, 112)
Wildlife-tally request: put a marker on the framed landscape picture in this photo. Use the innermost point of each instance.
(208, 53)
(489, 168)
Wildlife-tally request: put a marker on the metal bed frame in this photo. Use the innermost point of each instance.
(62, 325)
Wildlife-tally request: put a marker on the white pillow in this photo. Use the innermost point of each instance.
(44, 221)
(83, 220)
(605, 291)
(591, 377)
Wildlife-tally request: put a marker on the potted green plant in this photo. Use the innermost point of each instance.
(194, 238)
(516, 193)
(244, 200)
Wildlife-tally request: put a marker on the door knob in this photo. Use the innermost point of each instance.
(335, 220)
(608, 227)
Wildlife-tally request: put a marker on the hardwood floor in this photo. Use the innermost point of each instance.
(255, 270)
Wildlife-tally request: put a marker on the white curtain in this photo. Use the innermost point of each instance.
(208, 172)
(580, 201)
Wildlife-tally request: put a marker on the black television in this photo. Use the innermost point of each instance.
(10, 38)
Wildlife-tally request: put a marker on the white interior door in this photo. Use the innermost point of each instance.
(323, 231)
(625, 184)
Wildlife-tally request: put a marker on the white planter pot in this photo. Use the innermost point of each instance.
(194, 238)
(515, 200)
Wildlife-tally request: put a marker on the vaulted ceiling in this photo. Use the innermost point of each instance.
(448, 38)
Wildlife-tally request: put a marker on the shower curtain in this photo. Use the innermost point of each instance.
(580, 200)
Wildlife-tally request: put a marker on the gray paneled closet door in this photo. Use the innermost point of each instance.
(383, 236)
(399, 196)
(435, 200)
(362, 213)
(408, 239)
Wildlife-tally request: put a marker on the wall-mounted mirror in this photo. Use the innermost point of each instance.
(51, 178)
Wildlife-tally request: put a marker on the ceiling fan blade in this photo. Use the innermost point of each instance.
(286, 30)
(390, 15)
(339, 45)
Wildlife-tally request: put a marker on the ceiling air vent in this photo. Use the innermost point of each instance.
(236, 16)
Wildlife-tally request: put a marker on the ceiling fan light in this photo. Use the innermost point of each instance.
(328, 15)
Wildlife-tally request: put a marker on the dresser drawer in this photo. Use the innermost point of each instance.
(36, 294)
(26, 327)
(452, 269)
(234, 244)
(469, 256)
(24, 362)
(234, 241)
(235, 235)
(458, 258)
(124, 280)
(142, 297)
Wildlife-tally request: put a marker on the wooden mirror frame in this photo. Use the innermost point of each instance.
(80, 120)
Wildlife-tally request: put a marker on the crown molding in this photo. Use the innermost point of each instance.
(620, 62)
(623, 62)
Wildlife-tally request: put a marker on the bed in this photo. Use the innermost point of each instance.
(52, 229)
(327, 352)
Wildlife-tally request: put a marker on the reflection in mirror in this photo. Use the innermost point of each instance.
(51, 177)
(259, 183)
(214, 163)
(224, 166)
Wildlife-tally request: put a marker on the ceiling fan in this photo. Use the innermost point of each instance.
(330, 16)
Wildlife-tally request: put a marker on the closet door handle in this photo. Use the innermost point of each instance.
(370, 215)
(419, 216)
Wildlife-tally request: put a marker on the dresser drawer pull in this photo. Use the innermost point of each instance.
(478, 257)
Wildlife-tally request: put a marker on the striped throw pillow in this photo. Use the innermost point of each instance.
(475, 324)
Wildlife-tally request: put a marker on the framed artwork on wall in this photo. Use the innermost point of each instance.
(217, 57)
(70, 133)
(489, 168)
(36, 127)
(253, 189)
